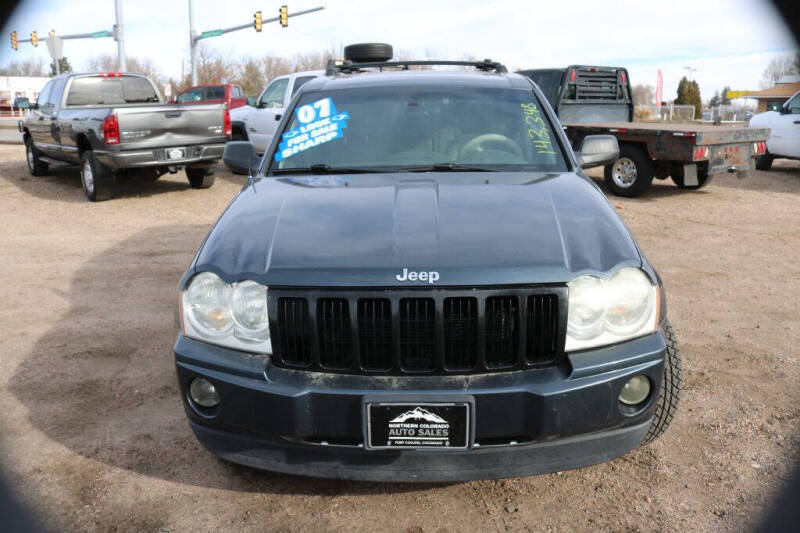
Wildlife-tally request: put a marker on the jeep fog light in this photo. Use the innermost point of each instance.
(635, 391)
(203, 393)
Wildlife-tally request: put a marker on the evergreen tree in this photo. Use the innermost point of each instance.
(689, 94)
(715, 100)
(63, 64)
(725, 99)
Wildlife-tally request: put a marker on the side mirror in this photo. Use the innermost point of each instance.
(598, 150)
(240, 156)
(251, 101)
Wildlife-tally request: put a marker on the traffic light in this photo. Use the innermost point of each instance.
(34, 39)
(14, 43)
(257, 20)
(284, 13)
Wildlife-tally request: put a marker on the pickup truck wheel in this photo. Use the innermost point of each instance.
(36, 166)
(671, 386)
(96, 178)
(632, 174)
(764, 162)
(200, 178)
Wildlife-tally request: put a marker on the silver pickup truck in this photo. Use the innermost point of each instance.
(118, 125)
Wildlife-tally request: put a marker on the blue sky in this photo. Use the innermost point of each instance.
(729, 42)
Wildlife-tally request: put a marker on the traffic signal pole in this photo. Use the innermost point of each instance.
(119, 35)
(194, 38)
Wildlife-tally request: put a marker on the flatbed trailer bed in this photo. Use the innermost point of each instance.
(731, 148)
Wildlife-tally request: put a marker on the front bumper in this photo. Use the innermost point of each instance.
(195, 155)
(526, 422)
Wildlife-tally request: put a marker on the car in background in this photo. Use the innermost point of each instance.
(257, 122)
(116, 125)
(784, 132)
(213, 94)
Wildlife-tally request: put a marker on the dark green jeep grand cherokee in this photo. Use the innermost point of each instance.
(418, 283)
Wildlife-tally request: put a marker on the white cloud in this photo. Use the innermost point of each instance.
(728, 41)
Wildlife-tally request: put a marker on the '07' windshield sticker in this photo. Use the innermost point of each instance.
(319, 123)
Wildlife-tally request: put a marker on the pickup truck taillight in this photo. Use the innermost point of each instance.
(701, 153)
(111, 130)
(226, 121)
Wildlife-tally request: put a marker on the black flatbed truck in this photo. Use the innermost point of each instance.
(592, 100)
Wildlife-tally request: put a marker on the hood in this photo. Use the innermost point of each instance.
(472, 229)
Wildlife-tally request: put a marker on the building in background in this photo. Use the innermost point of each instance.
(12, 87)
(773, 98)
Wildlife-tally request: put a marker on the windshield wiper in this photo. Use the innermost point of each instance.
(321, 168)
(447, 167)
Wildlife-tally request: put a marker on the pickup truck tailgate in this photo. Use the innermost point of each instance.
(170, 125)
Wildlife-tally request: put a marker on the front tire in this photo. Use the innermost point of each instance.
(36, 166)
(96, 178)
(200, 178)
(671, 386)
(632, 174)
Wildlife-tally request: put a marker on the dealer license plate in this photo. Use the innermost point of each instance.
(176, 153)
(417, 425)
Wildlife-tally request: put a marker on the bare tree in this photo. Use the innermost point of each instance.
(108, 62)
(779, 67)
(29, 67)
(250, 76)
(643, 94)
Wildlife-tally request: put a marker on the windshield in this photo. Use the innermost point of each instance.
(96, 90)
(418, 128)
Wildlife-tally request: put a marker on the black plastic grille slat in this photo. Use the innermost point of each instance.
(333, 330)
(417, 334)
(375, 333)
(460, 333)
(502, 331)
(542, 327)
(452, 331)
(295, 331)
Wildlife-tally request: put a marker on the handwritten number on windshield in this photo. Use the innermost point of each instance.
(537, 129)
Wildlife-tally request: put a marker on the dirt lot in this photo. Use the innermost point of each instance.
(94, 436)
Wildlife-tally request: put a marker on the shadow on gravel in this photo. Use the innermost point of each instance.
(101, 381)
(63, 183)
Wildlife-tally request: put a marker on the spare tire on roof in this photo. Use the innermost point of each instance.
(368, 52)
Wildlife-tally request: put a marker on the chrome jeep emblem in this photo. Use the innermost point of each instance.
(412, 275)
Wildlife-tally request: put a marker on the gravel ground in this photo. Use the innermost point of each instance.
(94, 436)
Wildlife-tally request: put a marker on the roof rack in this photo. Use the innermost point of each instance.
(487, 65)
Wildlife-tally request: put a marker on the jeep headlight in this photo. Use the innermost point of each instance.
(231, 315)
(604, 312)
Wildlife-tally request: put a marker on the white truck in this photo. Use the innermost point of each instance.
(256, 122)
(784, 137)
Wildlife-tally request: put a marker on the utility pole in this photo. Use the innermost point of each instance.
(194, 37)
(192, 44)
(119, 36)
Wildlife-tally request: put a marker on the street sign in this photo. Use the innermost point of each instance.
(55, 45)
(737, 94)
(103, 33)
(211, 33)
